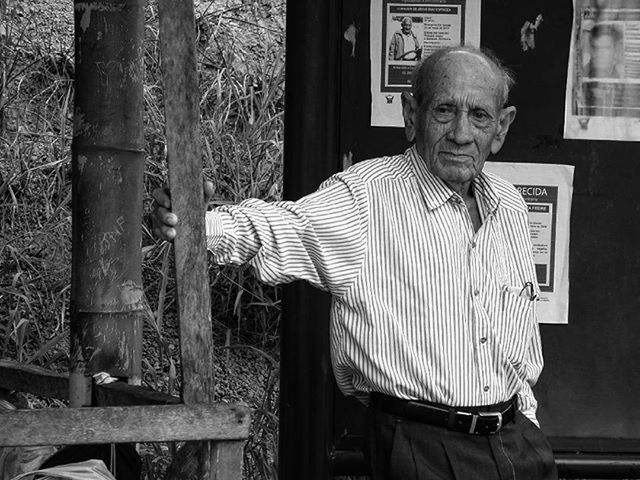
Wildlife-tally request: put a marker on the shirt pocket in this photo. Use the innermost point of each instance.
(514, 318)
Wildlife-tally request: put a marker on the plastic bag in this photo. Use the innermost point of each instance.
(87, 470)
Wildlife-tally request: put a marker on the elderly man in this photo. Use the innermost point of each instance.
(404, 44)
(428, 261)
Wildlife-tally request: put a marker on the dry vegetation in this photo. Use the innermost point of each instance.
(241, 52)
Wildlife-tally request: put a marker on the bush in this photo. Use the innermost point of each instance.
(241, 65)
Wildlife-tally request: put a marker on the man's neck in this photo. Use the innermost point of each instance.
(462, 189)
(465, 190)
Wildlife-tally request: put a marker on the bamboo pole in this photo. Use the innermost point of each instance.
(107, 303)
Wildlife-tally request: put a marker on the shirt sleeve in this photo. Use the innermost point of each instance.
(320, 238)
(528, 404)
(533, 361)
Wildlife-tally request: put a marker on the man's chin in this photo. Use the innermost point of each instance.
(452, 175)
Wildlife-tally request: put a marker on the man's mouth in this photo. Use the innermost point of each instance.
(456, 157)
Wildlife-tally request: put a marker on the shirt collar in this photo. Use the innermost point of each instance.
(436, 192)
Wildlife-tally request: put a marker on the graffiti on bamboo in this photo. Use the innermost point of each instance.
(111, 236)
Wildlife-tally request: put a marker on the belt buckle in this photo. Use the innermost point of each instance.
(474, 420)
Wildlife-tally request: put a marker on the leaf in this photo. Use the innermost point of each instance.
(47, 347)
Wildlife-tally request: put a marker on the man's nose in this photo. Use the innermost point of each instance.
(460, 131)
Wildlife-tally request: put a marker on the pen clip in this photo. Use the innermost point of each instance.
(529, 290)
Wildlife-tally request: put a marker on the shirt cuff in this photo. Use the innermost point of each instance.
(528, 406)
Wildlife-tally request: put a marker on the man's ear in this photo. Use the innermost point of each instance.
(507, 116)
(409, 112)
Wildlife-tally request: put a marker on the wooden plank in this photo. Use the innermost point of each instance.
(158, 423)
(43, 382)
(33, 379)
(228, 459)
(182, 113)
(122, 394)
(227, 456)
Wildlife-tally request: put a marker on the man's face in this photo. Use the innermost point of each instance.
(461, 124)
(406, 26)
(602, 55)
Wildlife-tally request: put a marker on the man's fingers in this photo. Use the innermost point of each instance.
(166, 217)
(168, 232)
(165, 232)
(161, 196)
(163, 219)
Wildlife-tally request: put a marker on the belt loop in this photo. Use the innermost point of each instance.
(451, 419)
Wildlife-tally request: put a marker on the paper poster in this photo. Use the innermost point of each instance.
(402, 33)
(602, 99)
(547, 191)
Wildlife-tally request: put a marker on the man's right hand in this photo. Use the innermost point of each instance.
(163, 219)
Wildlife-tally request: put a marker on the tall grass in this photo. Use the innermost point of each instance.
(241, 63)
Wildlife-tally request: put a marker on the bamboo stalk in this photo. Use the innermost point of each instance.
(107, 307)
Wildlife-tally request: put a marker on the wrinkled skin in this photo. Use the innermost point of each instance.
(462, 122)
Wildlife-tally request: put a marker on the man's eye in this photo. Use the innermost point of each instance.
(480, 116)
(444, 112)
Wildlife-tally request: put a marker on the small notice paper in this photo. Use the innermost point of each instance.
(547, 191)
(402, 33)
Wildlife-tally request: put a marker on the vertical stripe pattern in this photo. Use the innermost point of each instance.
(423, 307)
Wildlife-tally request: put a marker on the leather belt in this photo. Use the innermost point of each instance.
(483, 420)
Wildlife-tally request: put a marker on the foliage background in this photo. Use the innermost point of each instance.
(241, 63)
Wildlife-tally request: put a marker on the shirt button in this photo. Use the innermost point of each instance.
(473, 244)
(476, 292)
(486, 388)
(483, 340)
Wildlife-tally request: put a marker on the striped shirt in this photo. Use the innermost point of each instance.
(422, 307)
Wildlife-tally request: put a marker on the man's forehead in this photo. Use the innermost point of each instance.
(465, 57)
(462, 63)
(468, 75)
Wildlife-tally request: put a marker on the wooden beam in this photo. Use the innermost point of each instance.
(40, 381)
(158, 423)
(123, 394)
(182, 112)
(33, 379)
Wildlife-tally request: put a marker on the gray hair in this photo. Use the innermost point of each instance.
(422, 77)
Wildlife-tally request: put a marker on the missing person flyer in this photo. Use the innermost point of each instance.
(602, 100)
(547, 190)
(402, 33)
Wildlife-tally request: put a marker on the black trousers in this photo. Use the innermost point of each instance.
(401, 449)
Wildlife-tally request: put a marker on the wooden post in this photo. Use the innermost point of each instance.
(107, 163)
(311, 154)
(220, 460)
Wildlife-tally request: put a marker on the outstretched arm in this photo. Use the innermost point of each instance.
(320, 238)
